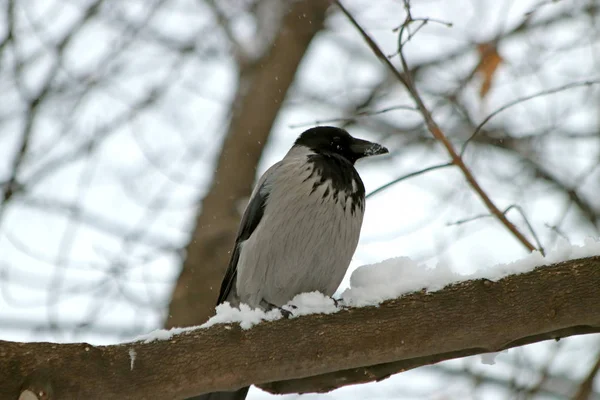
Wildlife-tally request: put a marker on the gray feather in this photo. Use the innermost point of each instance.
(252, 216)
(305, 239)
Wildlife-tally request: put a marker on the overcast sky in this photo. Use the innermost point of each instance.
(148, 173)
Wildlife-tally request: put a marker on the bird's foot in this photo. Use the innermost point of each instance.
(338, 303)
(285, 313)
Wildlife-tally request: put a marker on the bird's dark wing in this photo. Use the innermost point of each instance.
(252, 216)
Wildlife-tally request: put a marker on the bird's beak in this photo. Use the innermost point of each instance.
(364, 148)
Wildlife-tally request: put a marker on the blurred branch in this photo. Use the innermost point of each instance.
(435, 130)
(94, 220)
(367, 113)
(585, 390)
(34, 103)
(506, 210)
(79, 150)
(408, 132)
(515, 147)
(546, 377)
(526, 26)
(45, 169)
(552, 386)
(521, 100)
(223, 23)
(10, 19)
(410, 175)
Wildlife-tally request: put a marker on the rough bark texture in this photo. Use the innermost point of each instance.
(418, 329)
(262, 89)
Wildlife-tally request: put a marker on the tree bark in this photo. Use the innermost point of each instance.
(261, 91)
(319, 352)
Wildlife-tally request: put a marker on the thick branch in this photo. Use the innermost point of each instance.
(467, 318)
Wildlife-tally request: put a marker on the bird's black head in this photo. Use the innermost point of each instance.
(329, 139)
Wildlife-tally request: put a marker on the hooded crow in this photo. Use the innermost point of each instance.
(301, 226)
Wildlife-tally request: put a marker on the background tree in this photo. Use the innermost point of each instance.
(118, 117)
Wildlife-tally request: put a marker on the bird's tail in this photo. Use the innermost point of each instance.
(239, 394)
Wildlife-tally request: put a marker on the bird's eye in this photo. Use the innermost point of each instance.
(336, 139)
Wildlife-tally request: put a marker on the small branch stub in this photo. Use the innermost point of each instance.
(37, 386)
(29, 395)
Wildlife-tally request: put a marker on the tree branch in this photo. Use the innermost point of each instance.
(587, 386)
(406, 79)
(321, 352)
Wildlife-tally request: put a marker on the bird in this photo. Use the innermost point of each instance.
(301, 226)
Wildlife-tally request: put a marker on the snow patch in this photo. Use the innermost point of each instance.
(163, 334)
(370, 285)
(246, 317)
(311, 303)
(490, 358)
(375, 283)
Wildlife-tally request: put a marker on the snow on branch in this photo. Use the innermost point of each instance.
(318, 352)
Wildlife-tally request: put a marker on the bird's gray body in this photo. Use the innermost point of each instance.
(303, 244)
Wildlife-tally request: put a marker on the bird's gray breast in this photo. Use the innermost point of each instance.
(306, 238)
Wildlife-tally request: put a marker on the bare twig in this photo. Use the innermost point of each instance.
(554, 387)
(506, 210)
(94, 220)
(34, 103)
(354, 116)
(586, 387)
(435, 130)
(521, 100)
(412, 174)
(66, 243)
(571, 189)
(545, 373)
(10, 19)
(423, 22)
(224, 24)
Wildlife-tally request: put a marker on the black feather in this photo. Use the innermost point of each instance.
(329, 139)
(340, 173)
(250, 220)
